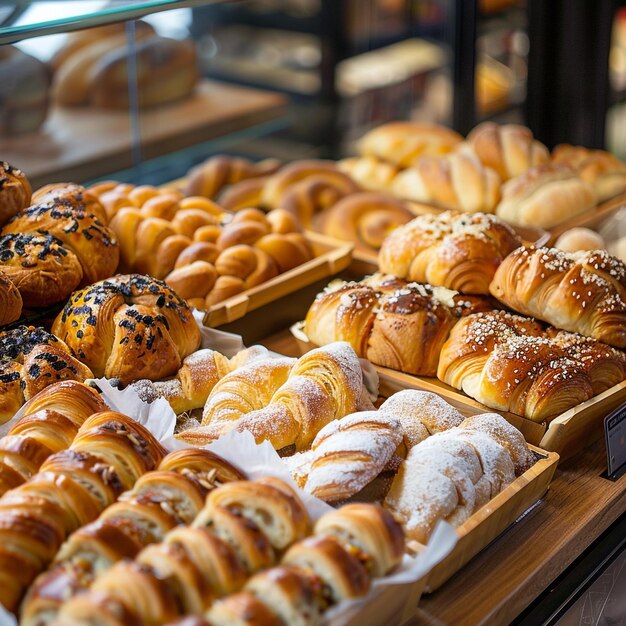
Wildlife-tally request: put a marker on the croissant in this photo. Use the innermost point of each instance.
(509, 363)
(210, 177)
(10, 299)
(582, 292)
(402, 143)
(460, 252)
(391, 323)
(15, 191)
(284, 402)
(508, 149)
(370, 173)
(366, 218)
(195, 379)
(451, 475)
(49, 423)
(457, 181)
(162, 499)
(93, 243)
(242, 609)
(30, 360)
(72, 487)
(129, 327)
(602, 170)
(545, 196)
(347, 454)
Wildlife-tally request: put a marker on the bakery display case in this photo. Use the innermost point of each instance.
(299, 323)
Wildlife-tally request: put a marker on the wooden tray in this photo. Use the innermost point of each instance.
(331, 257)
(566, 434)
(496, 516)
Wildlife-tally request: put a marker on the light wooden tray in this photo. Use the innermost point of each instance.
(331, 257)
(566, 434)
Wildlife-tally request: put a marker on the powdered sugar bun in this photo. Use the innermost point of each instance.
(506, 435)
(450, 444)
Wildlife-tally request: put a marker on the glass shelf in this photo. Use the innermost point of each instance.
(22, 19)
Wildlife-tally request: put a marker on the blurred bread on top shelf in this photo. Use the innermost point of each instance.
(93, 68)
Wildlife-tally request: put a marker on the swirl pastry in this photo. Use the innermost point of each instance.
(210, 177)
(49, 423)
(402, 143)
(460, 252)
(30, 360)
(602, 170)
(582, 292)
(457, 181)
(508, 149)
(509, 363)
(15, 192)
(370, 173)
(366, 218)
(545, 196)
(10, 300)
(72, 487)
(390, 322)
(159, 502)
(129, 327)
(92, 242)
(42, 269)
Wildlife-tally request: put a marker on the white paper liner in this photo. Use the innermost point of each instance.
(228, 344)
(6, 618)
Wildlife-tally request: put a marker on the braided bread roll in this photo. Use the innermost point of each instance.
(390, 322)
(210, 177)
(509, 363)
(49, 423)
(457, 181)
(160, 500)
(30, 360)
(15, 192)
(129, 327)
(545, 196)
(402, 143)
(508, 149)
(72, 487)
(602, 170)
(366, 218)
(582, 292)
(460, 252)
(93, 243)
(10, 299)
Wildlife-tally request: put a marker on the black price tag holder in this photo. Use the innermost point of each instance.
(615, 437)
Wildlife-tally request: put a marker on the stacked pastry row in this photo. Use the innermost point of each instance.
(245, 560)
(203, 252)
(447, 466)
(107, 455)
(160, 502)
(285, 401)
(52, 242)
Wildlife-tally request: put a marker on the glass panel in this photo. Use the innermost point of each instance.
(20, 19)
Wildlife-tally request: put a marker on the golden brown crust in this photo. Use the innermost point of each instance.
(509, 149)
(129, 327)
(242, 609)
(582, 292)
(460, 252)
(71, 195)
(10, 300)
(15, 192)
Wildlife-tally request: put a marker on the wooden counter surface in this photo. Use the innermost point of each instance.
(506, 577)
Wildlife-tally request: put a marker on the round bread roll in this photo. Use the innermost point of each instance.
(40, 267)
(71, 195)
(576, 239)
(129, 327)
(618, 249)
(15, 191)
(10, 300)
